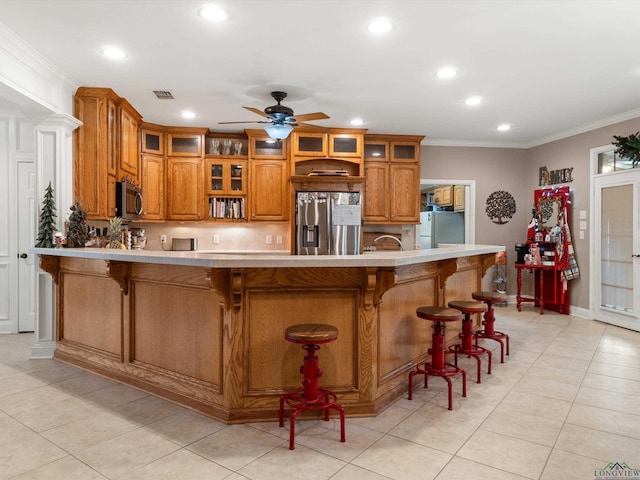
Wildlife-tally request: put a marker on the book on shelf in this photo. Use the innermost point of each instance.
(224, 207)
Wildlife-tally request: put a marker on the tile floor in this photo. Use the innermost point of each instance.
(565, 403)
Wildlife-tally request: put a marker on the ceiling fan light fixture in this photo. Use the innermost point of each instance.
(278, 132)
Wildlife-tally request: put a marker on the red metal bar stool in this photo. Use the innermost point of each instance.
(438, 367)
(310, 397)
(466, 346)
(489, 320)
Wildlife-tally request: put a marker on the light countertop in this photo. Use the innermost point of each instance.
(274, 259)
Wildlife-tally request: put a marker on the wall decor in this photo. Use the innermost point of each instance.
(563, 175)
(500, 206)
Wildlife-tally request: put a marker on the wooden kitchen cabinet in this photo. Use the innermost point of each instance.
(458, 198)
(339, 143)
(261, 146)
(226, 176)
(95, 156)
(392, 179)
(268, 192)
(129, 128)
(185, 179)
(152, 139)
(152, 184)
(443, 196)
(185, 142)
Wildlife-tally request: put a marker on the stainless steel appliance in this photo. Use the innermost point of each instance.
(441, 227)
(129, 203)
(328, 223)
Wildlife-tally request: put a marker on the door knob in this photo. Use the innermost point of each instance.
(23, 255)
(635, 255)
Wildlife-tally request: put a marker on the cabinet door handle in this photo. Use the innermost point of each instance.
(635, 256)
(23, 255)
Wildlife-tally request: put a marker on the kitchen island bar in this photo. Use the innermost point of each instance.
(206, 330)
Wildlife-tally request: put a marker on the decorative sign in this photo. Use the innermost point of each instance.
(555, 176)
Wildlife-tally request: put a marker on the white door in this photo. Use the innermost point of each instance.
(616, 282)
(27, 225)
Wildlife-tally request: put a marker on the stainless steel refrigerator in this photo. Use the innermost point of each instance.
(441, 227)
(328, 223)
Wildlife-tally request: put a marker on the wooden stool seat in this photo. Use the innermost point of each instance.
(465, 347)
(489, 320)
(310, 397)
(493, 297)
(438, 314)
(311, 333)
(438, 367)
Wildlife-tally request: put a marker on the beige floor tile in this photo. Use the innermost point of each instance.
(549, 360)
(462, 469)
(236, 446)
(23, 450)
(56, 414)
(31, 399)
(67, 468)
(630, 350)
(434, 431)
(19, 382)
(126, 453)
(568, 351)
(539, 373)
(84, 384)
(615, 359)
(88, 431)
(605, 420)
(506, 453)
(299, 463)
(525, 427)
(612, 384)
(468, 411)
(400, 459)
(386, 420)
(618, 371)
(185, 427)
(179, 465)
(351, 472)
(147, 410)
(114, 395)
(325, 438)
(619, 402)
(548, 388)
(564, 465)
(598, 445)
(578, 339)
(538, 406)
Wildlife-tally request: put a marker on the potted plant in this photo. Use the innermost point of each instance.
(628, 147)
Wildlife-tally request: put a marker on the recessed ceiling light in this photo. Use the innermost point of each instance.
(380, 25)
(213, 13)
(187, 114)
(474, 100)
(504, 127)
(112, 52)
(356, 122)
(447, 72)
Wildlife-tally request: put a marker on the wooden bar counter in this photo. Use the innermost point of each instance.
(206, 330)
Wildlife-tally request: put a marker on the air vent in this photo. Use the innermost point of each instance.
(163, 94)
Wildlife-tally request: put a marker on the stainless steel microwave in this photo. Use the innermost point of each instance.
(129, 202)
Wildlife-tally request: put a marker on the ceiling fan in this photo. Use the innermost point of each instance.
(281, 119)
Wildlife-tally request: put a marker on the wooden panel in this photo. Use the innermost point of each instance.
(376, 190)
(178, 329)
(272, 362)
(89, 314)
(404, 192)
(152, 183)
(403, 338)
(185, 189)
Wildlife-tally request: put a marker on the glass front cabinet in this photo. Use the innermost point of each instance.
(226, 176)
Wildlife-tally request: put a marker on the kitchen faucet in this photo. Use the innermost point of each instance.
(391, 237)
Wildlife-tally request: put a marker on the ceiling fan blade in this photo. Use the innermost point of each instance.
(248, 121)
(308, 126)
(259, 112)
(311, 116)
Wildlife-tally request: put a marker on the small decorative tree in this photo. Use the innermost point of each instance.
(78, 228)
(628, 147)
(500, 205)
(47, 223)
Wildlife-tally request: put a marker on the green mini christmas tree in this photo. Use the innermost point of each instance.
(47, 223)
(78, 227)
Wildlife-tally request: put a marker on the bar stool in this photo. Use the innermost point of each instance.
(466, 346)
(438, 367)
(310, 397)
(489, 320)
